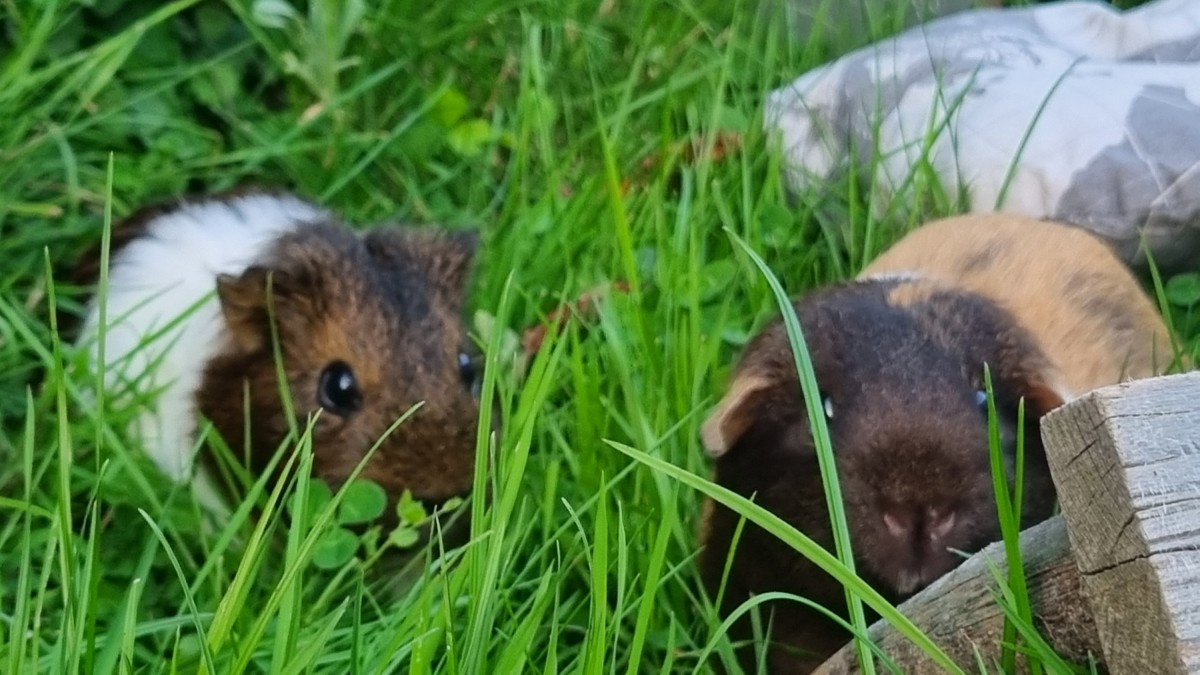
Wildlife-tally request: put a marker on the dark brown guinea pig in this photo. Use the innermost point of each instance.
(368, 325)
(899, 357)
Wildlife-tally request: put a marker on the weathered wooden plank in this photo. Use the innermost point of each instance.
(1126, 462)
(960, 613)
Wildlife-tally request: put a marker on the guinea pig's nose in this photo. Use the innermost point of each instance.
(900, 522)
(910, 523)
(938, 523)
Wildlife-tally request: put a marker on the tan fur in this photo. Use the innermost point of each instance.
(912, 292)
(1083, 307)
(729, 419)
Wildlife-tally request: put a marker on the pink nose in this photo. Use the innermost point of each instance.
(939, 523)
(931, 523)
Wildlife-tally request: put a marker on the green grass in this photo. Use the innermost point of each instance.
(527, 120)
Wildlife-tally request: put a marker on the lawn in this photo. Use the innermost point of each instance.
(589, 142)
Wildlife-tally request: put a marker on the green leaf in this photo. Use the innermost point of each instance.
(362, 502)
(732, 119)
(188, 647)
(1184, 290)
(646, 258)
(152, 115)
(777, 224)
(272, 13)
(422, 140)
(334, 549)
(215, 24)
(450, 108)
(715, 277)
(181, 144)
(158, 47)
(404, 537)
(217, 86)
(108, 8)
(409, 510)
(469, 138)
(737, 337)
(319, 496)
(510, 342)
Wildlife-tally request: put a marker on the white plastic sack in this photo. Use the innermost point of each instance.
(1098, 109)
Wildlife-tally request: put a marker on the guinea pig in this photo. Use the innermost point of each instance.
(367, 324)
(899, 356)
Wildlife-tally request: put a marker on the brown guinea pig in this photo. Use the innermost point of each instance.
(368, 325)
(899, 357)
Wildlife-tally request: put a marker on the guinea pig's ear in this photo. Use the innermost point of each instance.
(445, 257)
(243, 301)
(1043, 393)
(734, 414)
(453, 256)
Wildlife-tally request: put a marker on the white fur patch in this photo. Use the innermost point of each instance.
(901, 275)
(154, 281)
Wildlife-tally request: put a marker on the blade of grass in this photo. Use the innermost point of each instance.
(288, 620)
(649, 588)
(821, 440)
(129, 625)
(1039, 652)
(305, 658)
(1009, 511)
(20, 632)
(208, 664)
(805, 546)
(592, 659)
(761, 599)
(70, 638)
(1011, 172)
(515, 656)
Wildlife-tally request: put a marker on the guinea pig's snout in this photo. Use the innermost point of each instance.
(920, 526)
(920, 538)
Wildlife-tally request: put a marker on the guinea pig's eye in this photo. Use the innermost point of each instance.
(827, 403)
(337, 391)
(981, 400)
(468, 372)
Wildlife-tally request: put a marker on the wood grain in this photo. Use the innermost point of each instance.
(1126, 462)
(960, 612)
(1117, 575)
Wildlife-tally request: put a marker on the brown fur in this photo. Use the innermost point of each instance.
(901, 361)
(388, 304)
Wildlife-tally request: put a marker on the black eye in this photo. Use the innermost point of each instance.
(981, 400)
(338, 390)
(826, 404)
(468, 371)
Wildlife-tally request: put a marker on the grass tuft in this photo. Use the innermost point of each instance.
(590, 142)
